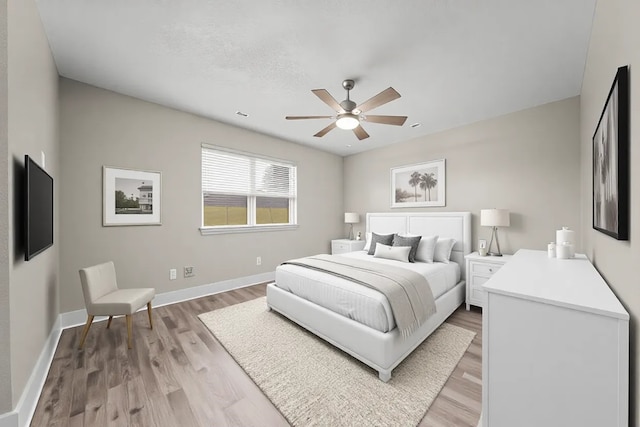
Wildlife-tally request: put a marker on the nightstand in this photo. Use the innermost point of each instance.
(479, 270)
(342, 246)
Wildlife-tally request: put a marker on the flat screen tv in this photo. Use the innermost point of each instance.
(38, 209)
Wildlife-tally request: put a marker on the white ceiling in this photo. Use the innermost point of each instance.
(453, 61)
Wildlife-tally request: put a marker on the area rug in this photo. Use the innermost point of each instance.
(314, 384)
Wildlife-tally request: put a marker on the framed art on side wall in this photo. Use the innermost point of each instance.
(611, 162)
(419, 185)
(130, 197)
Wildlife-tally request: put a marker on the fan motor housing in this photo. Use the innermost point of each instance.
(348, 105)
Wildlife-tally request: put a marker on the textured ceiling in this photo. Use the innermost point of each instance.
(453, 61)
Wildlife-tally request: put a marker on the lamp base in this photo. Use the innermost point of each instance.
(494, 234)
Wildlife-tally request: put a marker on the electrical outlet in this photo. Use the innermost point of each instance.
(189, 272)
(259, 261)
(173, 274)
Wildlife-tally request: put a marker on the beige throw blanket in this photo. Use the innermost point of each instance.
(408, 292)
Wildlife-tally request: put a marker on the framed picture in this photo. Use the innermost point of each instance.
(130, 197)
(421, 185)
(482, 244)
(611, 162)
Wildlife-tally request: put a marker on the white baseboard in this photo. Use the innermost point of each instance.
(22, 414)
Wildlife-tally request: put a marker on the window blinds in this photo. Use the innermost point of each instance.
(235, 173)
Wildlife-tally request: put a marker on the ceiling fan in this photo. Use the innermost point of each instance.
(349, 115)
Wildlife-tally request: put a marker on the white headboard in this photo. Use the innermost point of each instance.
(443, 224)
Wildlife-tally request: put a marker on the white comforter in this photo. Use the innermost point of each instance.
(357, 302)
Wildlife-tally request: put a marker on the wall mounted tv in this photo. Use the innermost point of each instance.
(38, 209)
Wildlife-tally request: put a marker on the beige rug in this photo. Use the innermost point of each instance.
(314, 384)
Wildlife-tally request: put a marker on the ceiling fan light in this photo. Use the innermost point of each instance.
(347, 121)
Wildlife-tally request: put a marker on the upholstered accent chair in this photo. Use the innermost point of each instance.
(103, 298)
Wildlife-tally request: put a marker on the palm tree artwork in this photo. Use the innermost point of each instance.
(427, 182)
(414, 181)
(418, 185)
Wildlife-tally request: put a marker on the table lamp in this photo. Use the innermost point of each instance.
(351, 218)
(494, 218)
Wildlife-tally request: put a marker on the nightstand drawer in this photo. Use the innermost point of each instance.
(478, 296)
(478, 281)
(340, 248)
(484, 268)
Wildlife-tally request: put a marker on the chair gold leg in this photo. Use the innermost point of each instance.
(149, 312)
(85, 331)
(109, 321)
(129, 330)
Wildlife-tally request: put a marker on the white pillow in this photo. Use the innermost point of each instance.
(367, 245)
(426, 249)
(397, 253)
(443, 250)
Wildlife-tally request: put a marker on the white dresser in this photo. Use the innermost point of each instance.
(479, 270)
(555, 347)
(342, 246)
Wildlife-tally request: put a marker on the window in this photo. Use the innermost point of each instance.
(246, 192)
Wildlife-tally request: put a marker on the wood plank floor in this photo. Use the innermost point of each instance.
(179, 375)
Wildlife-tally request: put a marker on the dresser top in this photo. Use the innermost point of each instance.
(572, 283)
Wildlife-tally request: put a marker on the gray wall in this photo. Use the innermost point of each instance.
(5, 325)
(614, 42)
(526, 162)
(99, 128)
(33, 128)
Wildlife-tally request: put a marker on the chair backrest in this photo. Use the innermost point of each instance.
(97, 281)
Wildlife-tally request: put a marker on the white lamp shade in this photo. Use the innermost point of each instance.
(494, 217)
(351, 218)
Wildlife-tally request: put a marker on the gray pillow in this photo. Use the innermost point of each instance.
(385, 239)
(408, 241)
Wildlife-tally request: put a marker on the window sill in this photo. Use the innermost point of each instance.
(207, 231)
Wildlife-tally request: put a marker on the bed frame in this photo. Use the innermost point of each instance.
(383, 351)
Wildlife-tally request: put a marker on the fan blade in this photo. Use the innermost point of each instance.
(326, 130)
(307, 117)
(383, 97)
(327, 99)
(360, 133)
(387, 120)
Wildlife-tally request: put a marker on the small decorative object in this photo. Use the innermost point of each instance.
(359, 235)
(551, 250)
(564, 250)
(494, 218)
(566, 236)
(351, 218)
(130, 197)
(482, 247)
(421, 185)
(611, 162)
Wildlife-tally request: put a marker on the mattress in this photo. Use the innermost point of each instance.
(357, 302)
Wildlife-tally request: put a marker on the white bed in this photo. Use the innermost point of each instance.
(369, 333)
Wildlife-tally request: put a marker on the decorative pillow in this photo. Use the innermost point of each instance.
(443, 250)
(426, 249)
(367, 244)
(385, 239)
(397, 253)
(413, 242)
